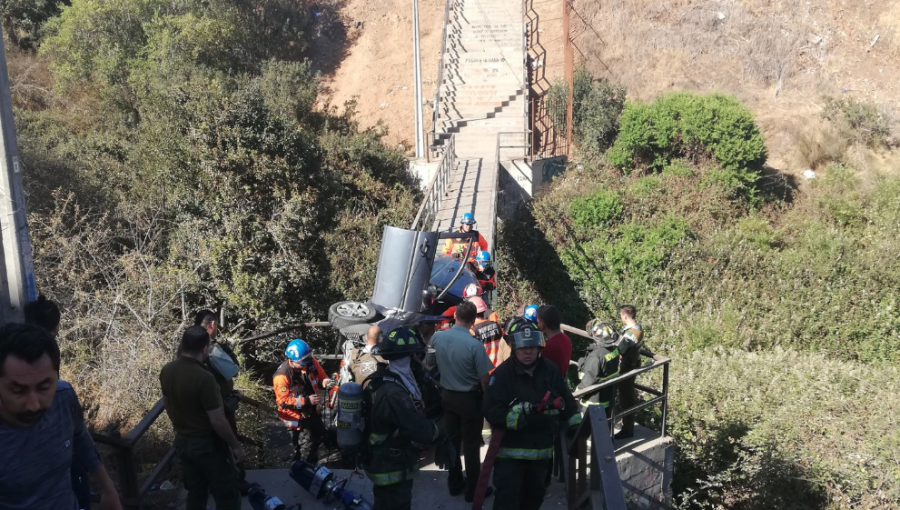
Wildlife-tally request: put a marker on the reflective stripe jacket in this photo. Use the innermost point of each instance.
(599, 365)
(395, 424)
(292, 389)
(528, 436)
(452, 246)
(489, 333)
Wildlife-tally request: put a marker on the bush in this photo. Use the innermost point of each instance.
(863, 123)
(595, 114)
(759, 431)
(683, 125)
(23, 19)
(597, 210)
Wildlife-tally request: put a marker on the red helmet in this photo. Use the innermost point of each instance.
(480, 305)
(472, 290)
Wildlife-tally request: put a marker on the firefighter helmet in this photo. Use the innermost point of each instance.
(480, 305)
(526, 336)
(467, 219)
(298, 351)
(471, 290)
(603, 333)
(399, 343)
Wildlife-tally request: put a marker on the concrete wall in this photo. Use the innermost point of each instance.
(646, 463)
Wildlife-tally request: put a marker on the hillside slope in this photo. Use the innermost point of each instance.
(377, 67)
(779, 58)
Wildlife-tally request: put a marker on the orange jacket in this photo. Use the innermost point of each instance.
(454, 245)
(292, 391)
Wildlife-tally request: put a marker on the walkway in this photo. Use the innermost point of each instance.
(482, 93)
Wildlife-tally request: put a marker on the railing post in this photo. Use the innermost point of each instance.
(665, 402)
(128, 478)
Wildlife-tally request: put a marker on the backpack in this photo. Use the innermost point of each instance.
(223, 360)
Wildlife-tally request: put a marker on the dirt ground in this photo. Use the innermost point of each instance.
(377, 66)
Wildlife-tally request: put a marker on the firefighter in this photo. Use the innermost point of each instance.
(630, 343)
(486, 331)
(296, 384)
(397, 423)
(525, 397)
(458, 246)
(600, 364)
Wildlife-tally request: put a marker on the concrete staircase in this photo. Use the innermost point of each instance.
(482, 93)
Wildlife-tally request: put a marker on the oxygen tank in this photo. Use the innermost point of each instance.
(350, 419)
(321, 483)
(259, 500)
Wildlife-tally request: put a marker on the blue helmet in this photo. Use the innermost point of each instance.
(298, 351)
(483, 256)
(467, 219)
(531, 313)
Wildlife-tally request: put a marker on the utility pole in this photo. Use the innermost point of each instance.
(570, 75)
(420, 135)
(17, 271)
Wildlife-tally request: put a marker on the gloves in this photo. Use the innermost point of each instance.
(445, 456)
(524, 407)
(331, 384)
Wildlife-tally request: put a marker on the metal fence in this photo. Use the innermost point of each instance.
(436, 189)
(132, 491)
(595, 427)
(548, 127)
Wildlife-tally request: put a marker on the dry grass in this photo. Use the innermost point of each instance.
(778, 58)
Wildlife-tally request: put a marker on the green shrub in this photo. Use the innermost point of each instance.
(759, 431)
(595, 114)
(683, 125)
(22, 19)
(863, 122)
(597, 210)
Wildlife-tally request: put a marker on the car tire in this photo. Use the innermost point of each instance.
(349, 313)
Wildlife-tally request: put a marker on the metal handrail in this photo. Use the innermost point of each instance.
(660, 396)
(436, 189)
(440, 80)
(596, 427)
(574, 461)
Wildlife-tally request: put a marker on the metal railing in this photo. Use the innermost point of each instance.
(435, 109)
(131, 490)
(597, 428)
(436, 189)
(602, 462)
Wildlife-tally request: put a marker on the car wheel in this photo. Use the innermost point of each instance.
(349, 313)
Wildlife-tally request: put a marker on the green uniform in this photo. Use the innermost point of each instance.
(190, 391)
(630, 346)
(599, 365)
(395, 424)
(527, 445)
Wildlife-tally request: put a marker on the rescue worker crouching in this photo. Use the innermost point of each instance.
(296, 384)
(600, 364)
(397, 422)
(524, 397)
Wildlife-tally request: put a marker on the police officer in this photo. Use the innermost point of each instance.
(524, 397)
(296, 384)
(600, 364)
(397, 421)
(630, 343)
